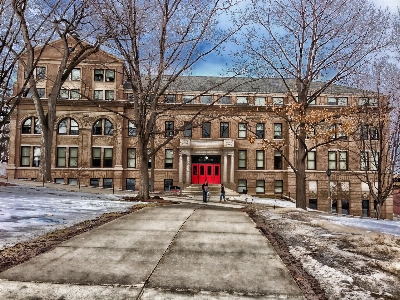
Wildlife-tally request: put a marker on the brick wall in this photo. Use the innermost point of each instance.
(396, 202)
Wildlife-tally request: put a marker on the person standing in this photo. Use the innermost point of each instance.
(222, 193)
(204, 187)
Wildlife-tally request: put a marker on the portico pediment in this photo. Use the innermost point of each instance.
(206, 144)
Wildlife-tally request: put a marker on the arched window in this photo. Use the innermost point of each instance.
(31, 125)
(68, 126)
(103, 127)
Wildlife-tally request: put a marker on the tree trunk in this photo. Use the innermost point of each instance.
(45, 154)
(301, 176)
(143, 170)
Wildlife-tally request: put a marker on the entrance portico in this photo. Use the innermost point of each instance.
(203, 161)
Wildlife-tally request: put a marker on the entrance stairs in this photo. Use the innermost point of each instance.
(214, 189)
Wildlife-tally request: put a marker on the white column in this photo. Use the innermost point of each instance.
(232, 168)
(188, 164)
(225, 171)
(180, 167)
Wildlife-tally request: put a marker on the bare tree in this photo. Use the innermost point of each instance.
(307, 41)
(378, 137)
(10, 51)
(69, 22)
(160, 41)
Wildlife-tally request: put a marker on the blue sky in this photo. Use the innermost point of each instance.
(215, 65)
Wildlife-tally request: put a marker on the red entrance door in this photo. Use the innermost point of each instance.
(203, 172)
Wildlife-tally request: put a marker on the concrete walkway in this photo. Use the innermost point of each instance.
(183, 251)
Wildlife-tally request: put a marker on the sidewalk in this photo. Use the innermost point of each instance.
(182, 251)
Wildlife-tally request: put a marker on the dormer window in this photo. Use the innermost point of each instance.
(241, 100)
(277, 100)
(169, 98)
(340, 101)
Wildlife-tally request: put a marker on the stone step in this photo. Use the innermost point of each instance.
(214, 189)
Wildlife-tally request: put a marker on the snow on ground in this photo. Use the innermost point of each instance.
(368, 224)
(27, 212)
(352, 258)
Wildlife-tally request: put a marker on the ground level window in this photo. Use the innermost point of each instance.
(242, 186)
(334, 206)
(365, 208)
(72, 181)
(130, 184)
(167, 184)
(345, 207)
(260, 187)
(59, 180)
(312, 203)
(107, 183)
(94, 182)
(278, 186)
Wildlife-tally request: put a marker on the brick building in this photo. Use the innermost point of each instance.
(94, 146)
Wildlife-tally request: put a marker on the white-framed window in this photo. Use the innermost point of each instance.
(25, 156)
(109, 95)
(369, 160)
(131, 161)
(169, 158)
(73, 157)
(107, 183)
(61, 156)
(132, 128)
(224, 130)
(340, 101)
(311, 160)
(205, 99)
(75, 75)
(242, 130)
(260, 159)
(260, 130)
(98, 95)
(169, 128)
(242, 100)
(68, 126)
(188, 129)
(277, 100)
(206, 130)
(36, 156)
(277, 160)
(332, 160)
(100, 159)
(242, 185)
(40, 72)
(169, 98)
(343, 160)
(103, 127)
(104, 75)
(365, 101)
(242, 159)
(188, 99)
(259, 101)
(278, 187)
(41, 92)
(278, 131)
(225, 100)
(31, 126)
(260, 186)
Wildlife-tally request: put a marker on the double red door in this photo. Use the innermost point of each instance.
(202, 172)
